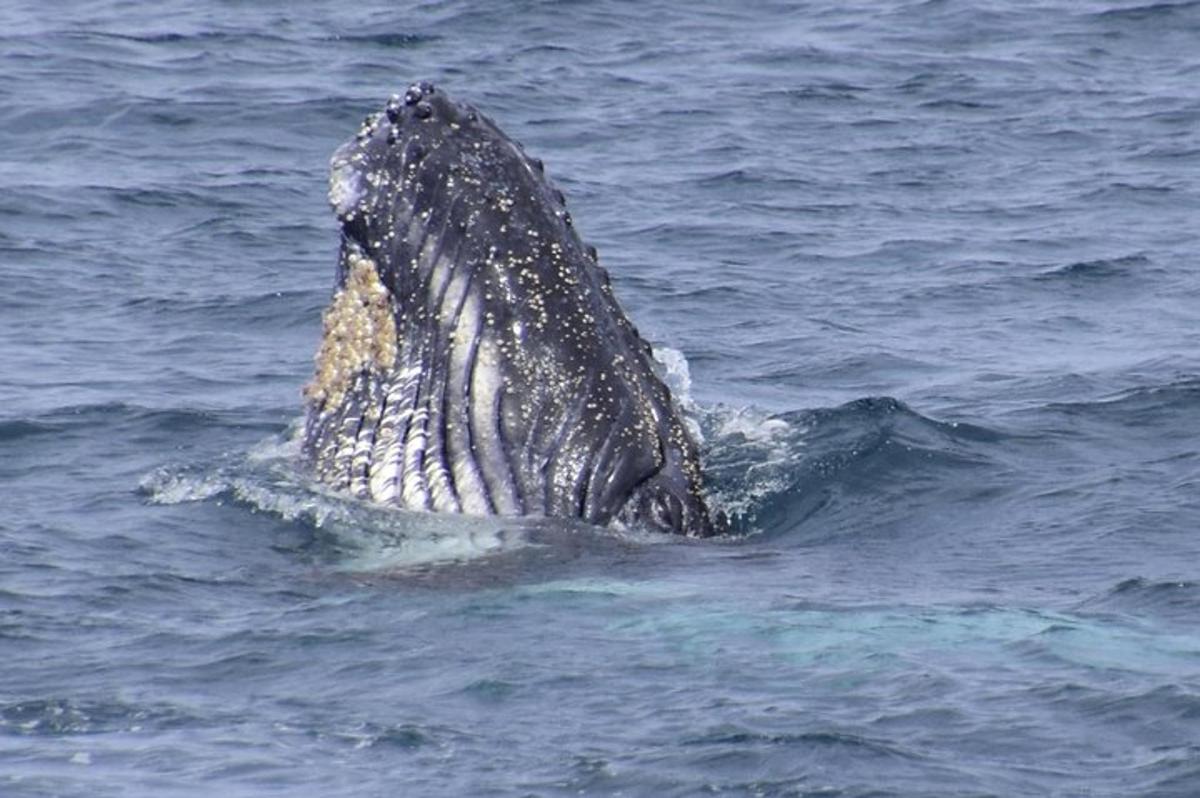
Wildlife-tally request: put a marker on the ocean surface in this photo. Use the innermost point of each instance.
(927, 274)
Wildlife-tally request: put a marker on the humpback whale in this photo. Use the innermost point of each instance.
(474, 358)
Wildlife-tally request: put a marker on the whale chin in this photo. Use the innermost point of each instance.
(474, 358)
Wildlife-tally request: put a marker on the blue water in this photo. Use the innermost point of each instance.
(933, 268)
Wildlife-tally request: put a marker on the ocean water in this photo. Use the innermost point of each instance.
(927, 273)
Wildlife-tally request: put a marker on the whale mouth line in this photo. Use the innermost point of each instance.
(474, 358)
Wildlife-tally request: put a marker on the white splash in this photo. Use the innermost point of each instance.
(675, 373)
(360, 536)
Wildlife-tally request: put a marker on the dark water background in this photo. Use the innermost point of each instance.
(933, 265)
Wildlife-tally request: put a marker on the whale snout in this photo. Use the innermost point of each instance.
(420, 144)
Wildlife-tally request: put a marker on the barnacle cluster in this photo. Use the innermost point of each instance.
(359, 333)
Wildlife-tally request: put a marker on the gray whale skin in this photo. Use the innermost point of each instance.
(474, 358)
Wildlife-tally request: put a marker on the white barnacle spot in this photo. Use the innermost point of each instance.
(359, 333)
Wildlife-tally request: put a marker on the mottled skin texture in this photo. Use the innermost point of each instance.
(474, 357)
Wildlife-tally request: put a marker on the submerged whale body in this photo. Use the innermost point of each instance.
(474, 358)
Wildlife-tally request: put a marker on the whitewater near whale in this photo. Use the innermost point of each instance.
(474, 358)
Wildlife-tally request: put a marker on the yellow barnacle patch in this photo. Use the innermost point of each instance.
(360, 334)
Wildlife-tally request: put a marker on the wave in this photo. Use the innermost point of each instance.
(388, 39)
(1150, 12)
(274, 309)
(64, 716)
(128, 416)
(1100, 269)
(19, 429)
(1141, 406)
(771, 472)
(1139, 597)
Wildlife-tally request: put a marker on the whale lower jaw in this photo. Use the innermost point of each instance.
(474, 359)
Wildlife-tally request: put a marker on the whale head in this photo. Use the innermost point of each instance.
(475, 358)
